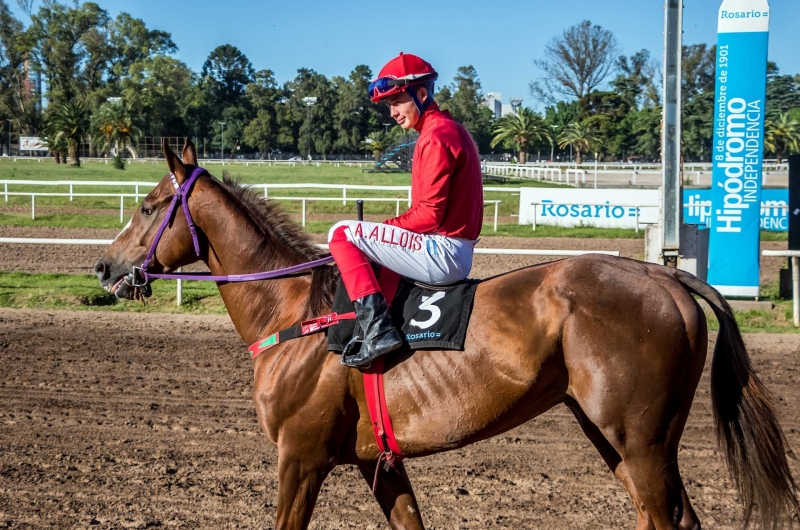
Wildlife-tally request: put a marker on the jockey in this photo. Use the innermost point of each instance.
(433, 241)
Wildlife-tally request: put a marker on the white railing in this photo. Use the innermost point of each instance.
(211, 161)
(795, 256)
(489, 251)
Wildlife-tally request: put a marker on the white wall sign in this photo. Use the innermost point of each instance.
(603, 208)
(31, 143)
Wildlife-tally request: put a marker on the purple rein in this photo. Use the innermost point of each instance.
(141, 277)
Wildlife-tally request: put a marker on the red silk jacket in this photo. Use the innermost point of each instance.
(446, 180)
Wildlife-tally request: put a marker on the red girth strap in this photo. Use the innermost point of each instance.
(380, 419)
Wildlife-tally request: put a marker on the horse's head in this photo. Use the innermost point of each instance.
(130, 249)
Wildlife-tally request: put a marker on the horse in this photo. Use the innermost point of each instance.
(620, 342)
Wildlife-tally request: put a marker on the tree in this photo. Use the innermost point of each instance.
(355, 115)
(377, 142)
(70, 121)
(575, 63)
(522, 128)
(56, 144)
(581, 136)
(227, 71)
(115, 123)
(261, 133)
(465, 101)
(647, 129)
(15, 100)
(160, 92)
(782, 135)
(66, 44)
(638, 81)
(783, 92)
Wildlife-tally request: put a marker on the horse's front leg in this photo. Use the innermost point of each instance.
(300, 478)
(395, 495)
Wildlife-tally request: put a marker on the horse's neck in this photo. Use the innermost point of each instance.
(237, 246)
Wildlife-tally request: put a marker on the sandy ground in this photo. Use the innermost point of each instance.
(145, 420)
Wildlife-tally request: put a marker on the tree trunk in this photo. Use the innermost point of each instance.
(74, 159)
(57, 157)
(578, 158)
(522, 155)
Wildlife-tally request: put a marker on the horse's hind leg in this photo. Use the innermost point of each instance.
(395, 495)
(613, 461)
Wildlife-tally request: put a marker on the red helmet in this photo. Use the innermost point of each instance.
(403, 71)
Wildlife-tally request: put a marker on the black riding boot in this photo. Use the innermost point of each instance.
(375, 335)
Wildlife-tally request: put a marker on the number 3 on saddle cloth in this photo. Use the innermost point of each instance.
(428, 317)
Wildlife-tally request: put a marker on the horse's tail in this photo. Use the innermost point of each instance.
(747, 426)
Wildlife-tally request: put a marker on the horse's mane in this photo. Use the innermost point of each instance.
(277, 226)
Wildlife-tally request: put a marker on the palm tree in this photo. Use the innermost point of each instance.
(523, 128)
(114, 121)
(70, 122)
(377, 142)
(782, 135)
(581, 136)
(57, 147)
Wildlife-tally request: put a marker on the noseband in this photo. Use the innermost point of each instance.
(140, 278)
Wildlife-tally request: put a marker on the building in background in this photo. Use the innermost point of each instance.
(494, 102)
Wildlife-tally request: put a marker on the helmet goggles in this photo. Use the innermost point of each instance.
(386, 86)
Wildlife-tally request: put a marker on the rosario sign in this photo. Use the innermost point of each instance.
(738, 146)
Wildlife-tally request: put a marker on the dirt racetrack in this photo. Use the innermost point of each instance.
(115, 420)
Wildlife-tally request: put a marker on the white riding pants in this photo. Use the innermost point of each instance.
(428, 258)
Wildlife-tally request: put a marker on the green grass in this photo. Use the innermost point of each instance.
(82, 292)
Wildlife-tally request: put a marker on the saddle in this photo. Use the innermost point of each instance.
(427, 316)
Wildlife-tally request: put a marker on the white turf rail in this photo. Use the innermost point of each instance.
(492, 251)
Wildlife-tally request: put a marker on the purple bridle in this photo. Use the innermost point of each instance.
(141, 277)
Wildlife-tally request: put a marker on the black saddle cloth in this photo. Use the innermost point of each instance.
(427, 316)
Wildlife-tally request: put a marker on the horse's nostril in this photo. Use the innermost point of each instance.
(101, 270)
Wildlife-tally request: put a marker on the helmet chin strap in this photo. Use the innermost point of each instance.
(421, 106)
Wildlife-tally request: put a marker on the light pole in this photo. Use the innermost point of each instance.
(516, 103)
(310, 101)
(222, 156)
(553, 141)
(8, 139)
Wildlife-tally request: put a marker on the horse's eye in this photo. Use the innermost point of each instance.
(147, 211)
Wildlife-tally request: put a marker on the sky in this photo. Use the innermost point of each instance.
(500, 38)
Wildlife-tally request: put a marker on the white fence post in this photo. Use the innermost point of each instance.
(5, 185)
(136, 193)
(33, 206)
(344, 196)
(179, 294)
(121, 209)
(70, 192)
(304, 212)
(496, 204)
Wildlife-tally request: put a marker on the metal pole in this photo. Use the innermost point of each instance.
(534, 217)
(796, 290)
(671, 214)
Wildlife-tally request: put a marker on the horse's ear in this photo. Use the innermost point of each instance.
(189, 152)
(175, 165)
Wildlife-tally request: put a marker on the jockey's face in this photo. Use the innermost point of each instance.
(402, 108)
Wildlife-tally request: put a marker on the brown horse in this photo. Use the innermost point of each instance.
(621, 343)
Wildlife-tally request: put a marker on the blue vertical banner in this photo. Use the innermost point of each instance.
(738, 146)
